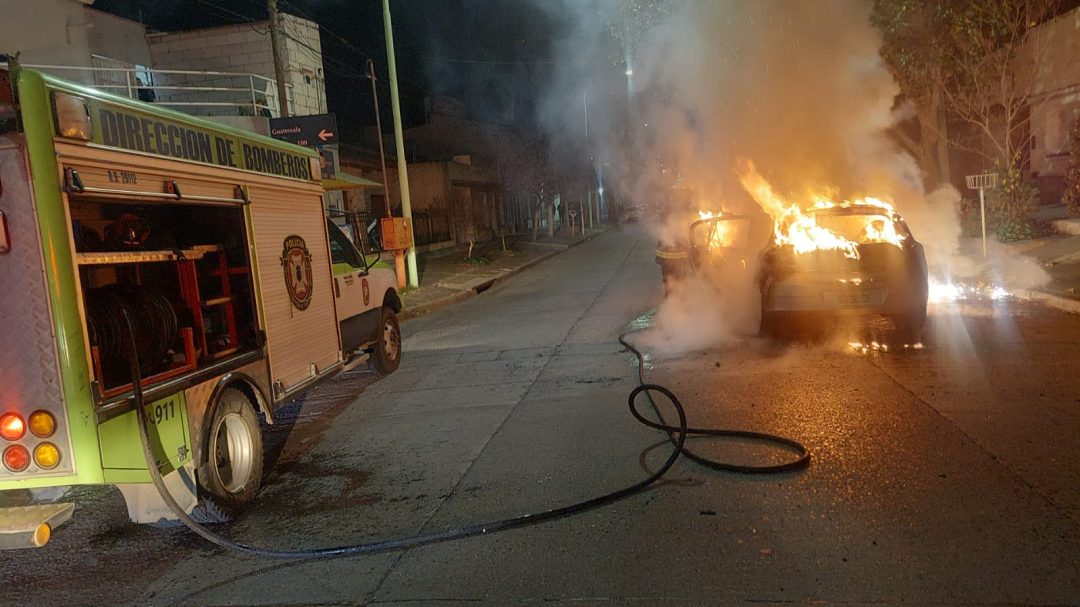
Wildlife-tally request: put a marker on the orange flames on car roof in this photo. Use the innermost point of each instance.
(801, 230)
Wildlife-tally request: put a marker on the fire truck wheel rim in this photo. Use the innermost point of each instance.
(391, 340)
(233, 452)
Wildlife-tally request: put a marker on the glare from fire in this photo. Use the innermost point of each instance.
(950, 292)
(874, 347)
(720, 232)
(801, 230)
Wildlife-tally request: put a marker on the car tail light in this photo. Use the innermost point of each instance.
(16, 458)
(47, 456)
(42, 424)
(12, 427)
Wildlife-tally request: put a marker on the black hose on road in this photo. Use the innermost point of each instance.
(682, 432)
(677, 433)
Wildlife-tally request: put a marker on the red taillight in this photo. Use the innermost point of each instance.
(12, 427)
(16, 458)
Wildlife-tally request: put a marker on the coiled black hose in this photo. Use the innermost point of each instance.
(682, 432)
(678, 435)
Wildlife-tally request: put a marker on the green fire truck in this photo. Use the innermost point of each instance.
(200, 256)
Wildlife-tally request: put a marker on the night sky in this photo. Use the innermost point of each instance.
(493, 54)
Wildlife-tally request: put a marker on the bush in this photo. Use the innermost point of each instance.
(1008, 231)
(1012, 199)
(969, 218)
(1007, 209)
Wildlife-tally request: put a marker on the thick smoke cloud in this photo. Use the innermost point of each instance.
(796, 87)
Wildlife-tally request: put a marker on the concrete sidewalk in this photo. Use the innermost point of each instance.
(1059, 255)
(447, 276)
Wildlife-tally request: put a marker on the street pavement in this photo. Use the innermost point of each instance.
(943, 475)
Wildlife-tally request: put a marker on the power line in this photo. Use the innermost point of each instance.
(339, 38)
(362, 53)
(226, 11)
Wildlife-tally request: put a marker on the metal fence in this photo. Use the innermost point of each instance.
(430, 226)
(201, 93)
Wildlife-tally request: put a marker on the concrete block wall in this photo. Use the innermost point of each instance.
(239, 49)
(303, 47)
(243, 48)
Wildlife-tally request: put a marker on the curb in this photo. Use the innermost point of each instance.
(1067, 226)
(1072, 306)
(409, 313)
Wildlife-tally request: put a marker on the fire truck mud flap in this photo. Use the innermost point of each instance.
(145, 504)
(31, 526)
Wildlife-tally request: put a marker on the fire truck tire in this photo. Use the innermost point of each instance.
(387, 354)
(231, 471)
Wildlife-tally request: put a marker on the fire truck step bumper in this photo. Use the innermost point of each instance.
(31, 526)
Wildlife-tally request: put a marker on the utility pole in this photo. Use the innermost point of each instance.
(279, 61)
(378, 130)
(403, 173)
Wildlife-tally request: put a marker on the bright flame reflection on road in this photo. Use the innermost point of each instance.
(946, 292)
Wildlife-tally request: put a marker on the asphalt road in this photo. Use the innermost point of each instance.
(941, 476)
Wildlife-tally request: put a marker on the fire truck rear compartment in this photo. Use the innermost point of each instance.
(179, 272)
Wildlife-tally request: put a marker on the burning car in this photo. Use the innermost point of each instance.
(844, 258)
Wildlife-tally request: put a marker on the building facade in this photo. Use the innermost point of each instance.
(222, 73)
(1054, 101)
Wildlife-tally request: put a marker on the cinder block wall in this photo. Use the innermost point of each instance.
(243, 49)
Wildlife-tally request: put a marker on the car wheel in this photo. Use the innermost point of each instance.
(387, 354)
(772, 324)
(231, 471)
(909, 326)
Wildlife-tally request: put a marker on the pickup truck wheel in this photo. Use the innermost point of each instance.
(231, 471)
(387, 354)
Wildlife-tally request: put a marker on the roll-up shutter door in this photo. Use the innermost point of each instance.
(297, 338)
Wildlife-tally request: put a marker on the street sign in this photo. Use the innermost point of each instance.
(309, 131)
(982, 183)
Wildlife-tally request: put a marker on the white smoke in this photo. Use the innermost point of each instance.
(797, 87)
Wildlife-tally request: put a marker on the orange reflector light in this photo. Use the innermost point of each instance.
(12, 426)
(47, 455)
(16, 458)
(42, 424)
(42, 535)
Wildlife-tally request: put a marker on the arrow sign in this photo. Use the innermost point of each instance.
(310, 131)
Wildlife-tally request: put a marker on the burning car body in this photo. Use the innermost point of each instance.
(831, 259)
(844, 258)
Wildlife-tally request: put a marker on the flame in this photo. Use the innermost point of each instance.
(721, 233)
(800, 229)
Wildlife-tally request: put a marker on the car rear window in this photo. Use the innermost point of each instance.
(858, 227)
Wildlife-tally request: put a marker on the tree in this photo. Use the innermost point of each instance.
(912, 31)
(992, 52)
(1071, 197)
(970, 62)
